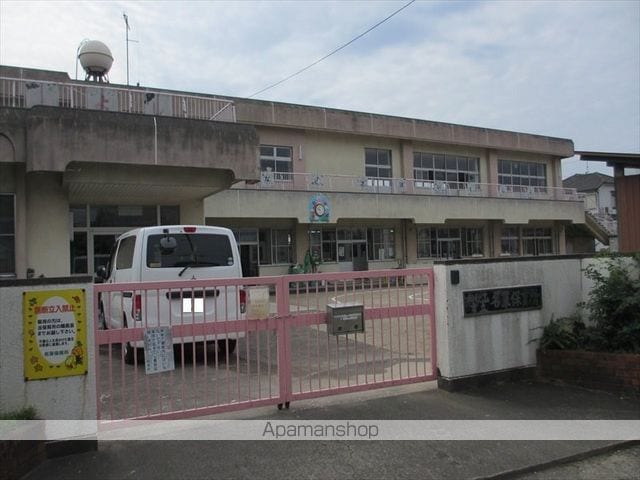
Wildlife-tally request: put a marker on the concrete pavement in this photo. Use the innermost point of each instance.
(369, 459)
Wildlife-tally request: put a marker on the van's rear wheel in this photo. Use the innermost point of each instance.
(227, 345)
(130, 350)
(129, 354)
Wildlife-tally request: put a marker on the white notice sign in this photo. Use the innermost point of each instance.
(257, 302)
(158, 350)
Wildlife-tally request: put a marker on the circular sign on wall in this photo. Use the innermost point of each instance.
(319, 209)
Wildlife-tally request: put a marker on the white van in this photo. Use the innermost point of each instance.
(173, 253)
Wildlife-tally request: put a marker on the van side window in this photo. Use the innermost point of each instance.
(124, 257)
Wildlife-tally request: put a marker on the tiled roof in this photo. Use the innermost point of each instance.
(587, 182)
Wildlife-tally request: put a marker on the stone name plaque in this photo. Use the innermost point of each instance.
(502, 300)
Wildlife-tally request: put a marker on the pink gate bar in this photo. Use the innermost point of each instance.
(226, 361)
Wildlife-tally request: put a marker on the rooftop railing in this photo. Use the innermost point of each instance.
(309, 182)
(24, 93)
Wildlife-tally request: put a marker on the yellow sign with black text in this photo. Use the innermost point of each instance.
(55, 333)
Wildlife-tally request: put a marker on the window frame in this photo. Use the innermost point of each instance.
(276, 246)
(516, 176)
(510, 235)
(276, 174)
(332, 238)
(126, 263)
(82, 226)
(540, 238)
(430, 240)
(378, 180)
(430, 169)
(386, 242)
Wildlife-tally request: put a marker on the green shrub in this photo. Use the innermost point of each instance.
(26, 413)
(563, 334)
(614, 311)
(614, 305)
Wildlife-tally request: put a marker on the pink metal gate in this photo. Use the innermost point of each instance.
(225, 361)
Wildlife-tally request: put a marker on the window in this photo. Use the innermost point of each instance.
(352, 243)
(510, 241)
(191, 249)
(169, 215)
(381, 243)
(537, 241)
(348, 243)
(276, 162)
(264, 246)
(329, 246)
(377, 166)
(133, 216)
(7, 234)
(124, 259)
(522, 176)
(78, 249)
(432, 170)
(274, 246)
(473, 242)
(450, 242)
(282, 246)
(90, 244)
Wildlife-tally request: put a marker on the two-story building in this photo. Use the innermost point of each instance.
(82, 162)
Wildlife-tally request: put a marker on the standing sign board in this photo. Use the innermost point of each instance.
(55, 333)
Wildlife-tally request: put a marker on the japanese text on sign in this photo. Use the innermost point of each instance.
(158, 350)
(55, 337)
(502, 300)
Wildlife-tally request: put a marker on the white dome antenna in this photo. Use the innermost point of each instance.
(96, 60)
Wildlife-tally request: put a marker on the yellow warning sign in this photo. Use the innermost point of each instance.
(55, 333)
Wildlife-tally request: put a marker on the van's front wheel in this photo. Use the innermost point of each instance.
(227, 345)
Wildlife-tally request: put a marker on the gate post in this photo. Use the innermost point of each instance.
(283, 338)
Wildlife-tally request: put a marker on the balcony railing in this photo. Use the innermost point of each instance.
(309, 182)
(23, 93)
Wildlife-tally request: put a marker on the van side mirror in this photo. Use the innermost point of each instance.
(101, 273)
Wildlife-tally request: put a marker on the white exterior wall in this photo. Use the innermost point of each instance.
(64, 398)
(490, 343)
(605, 199)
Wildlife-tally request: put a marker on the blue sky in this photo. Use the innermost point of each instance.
(565, 69)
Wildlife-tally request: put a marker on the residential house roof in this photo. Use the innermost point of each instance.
(587, 182)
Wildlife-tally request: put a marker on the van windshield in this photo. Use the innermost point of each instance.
(190, 250)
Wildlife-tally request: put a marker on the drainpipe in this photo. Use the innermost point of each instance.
(155, 141)
(405, 253)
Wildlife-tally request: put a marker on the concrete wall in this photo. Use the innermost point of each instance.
(259, 112)
(64, 398)
(47, 231)
(420, 208)
(477, 345)
(332, 154)
(58, 136)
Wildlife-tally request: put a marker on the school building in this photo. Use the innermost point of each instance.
(325, 189)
